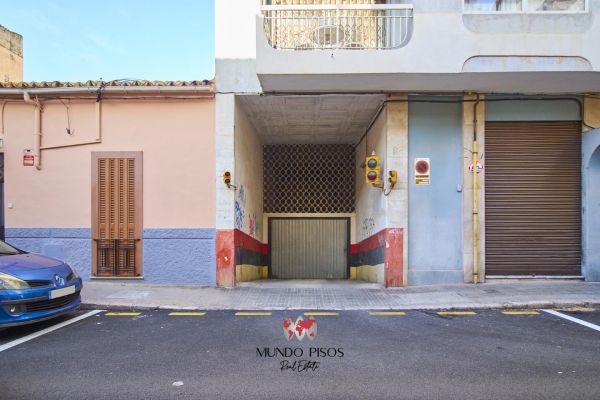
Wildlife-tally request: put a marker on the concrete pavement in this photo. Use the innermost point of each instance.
(342, 295)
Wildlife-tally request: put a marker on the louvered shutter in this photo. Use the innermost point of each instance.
(117, 214)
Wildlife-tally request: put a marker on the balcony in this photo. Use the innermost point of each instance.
(338, 26)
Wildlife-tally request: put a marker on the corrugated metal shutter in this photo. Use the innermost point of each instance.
(309, 248)
(117, 231)
(533, 198)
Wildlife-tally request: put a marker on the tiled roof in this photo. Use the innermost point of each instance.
(57, 84)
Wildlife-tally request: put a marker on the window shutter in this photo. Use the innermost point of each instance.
(117, 218)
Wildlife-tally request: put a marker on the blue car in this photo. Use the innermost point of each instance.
(34, 288)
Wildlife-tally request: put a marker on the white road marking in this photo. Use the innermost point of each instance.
(47, 330)
(573, 319)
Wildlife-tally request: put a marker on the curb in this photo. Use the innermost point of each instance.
(492, 306)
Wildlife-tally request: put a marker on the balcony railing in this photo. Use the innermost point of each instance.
(338, 26)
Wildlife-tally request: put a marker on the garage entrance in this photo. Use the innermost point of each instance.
(533, 198)
(309, 248)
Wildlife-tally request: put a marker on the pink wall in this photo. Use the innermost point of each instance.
(176, 136)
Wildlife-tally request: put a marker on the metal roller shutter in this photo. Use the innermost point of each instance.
(533, 198)
(309, 248)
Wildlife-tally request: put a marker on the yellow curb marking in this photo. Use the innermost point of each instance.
(252, 314)
(520, 313)
(187, 314)
(382, 313)
(122, 314)
(320, 313)
(456, 313)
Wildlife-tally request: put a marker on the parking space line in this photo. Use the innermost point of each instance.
(187, 314)
(520, 313)
(34, 335)
(384, 313)
(321, 313)
(456, 313)
(253, 314)
(122, 314)
(573, 319)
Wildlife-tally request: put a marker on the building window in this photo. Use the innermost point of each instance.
(530, 6)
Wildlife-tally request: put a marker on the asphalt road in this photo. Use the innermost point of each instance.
(420, 355)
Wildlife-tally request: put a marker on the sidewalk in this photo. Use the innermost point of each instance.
(344, 295)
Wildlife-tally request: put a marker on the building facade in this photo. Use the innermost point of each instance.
(395, 142)
(113, 177)
(11, 56)
(431, 88)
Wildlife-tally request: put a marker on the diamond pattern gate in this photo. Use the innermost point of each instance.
(309, 178)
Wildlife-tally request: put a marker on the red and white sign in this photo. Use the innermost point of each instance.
(479, 167)
(28, 158)
(422, 171)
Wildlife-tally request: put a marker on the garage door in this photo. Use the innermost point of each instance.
(309, 248)
(533, 198)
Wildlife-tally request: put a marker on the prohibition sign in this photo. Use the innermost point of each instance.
(422, 167)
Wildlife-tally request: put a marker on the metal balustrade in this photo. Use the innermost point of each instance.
(338, 26)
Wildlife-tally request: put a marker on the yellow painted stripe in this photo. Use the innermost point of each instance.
(122, 314)
(252, 314)
(321, 313)
(456, 313)
(187, 314)
(382, 313)
(520, 313)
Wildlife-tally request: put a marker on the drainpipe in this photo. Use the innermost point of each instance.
(37, 129)
(475, 208)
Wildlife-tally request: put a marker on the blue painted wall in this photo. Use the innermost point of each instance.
(170, 256)
(591, 205)
(435, 210)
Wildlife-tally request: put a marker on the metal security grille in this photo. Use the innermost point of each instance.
(533, 198)
(116, 231)
(308, 178)
(309, 248)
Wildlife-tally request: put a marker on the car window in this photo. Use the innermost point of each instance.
(8, 250)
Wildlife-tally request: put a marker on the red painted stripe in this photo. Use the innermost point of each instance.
(265, 249)
(225, 258)
(246, 241)
(394, 262)
(372, 242)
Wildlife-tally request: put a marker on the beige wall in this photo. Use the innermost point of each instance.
(11, 56)
(248, 176)
(176, 137)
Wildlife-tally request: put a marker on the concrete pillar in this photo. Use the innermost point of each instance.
(590, 192)
(396, 158)
(225, 161)
(468, 109)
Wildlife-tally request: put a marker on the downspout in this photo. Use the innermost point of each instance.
(475, 208)
(37, 129)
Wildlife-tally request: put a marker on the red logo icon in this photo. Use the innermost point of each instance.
(300, 328)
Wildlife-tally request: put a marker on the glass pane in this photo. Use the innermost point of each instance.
(493, 5)
(556, 5)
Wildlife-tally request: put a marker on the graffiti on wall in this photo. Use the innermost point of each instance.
(244, 218)
(239, 215)
(368, 226)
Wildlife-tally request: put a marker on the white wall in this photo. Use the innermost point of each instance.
(235, 24)
(371, 204)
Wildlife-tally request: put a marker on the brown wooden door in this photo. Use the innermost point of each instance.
(533, 198)
(117, 214)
